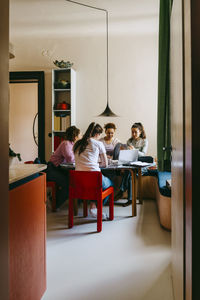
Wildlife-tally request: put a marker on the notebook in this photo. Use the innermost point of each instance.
(127, 156)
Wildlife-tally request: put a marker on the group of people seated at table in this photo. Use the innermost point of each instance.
(91, 152)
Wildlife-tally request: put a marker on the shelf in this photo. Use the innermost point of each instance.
(62, 69)
(61, 110)
(62, 90)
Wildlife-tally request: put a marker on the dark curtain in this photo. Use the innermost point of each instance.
(163, 119)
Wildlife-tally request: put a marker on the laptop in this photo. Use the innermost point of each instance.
(127, 156)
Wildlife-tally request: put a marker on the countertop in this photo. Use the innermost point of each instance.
(20, 171)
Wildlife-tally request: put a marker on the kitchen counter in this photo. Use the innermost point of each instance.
(27, 231)
(21, 171)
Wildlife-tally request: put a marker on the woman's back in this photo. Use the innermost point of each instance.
(64, 153)
(88, 159)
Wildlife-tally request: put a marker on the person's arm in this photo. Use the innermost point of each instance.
(130, 147)
(103, 160)
(115, 142)
(102, 155)
(129, 144)
(67, 152)
(144, 148)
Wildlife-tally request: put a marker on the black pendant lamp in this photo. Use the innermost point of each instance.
(107, 112)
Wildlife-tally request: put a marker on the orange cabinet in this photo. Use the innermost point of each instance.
(27, 234)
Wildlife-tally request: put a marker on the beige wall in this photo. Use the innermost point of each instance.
(133, 65)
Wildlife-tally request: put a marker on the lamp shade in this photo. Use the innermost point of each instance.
(107, 112)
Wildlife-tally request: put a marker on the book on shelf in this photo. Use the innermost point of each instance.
(65, 123)
(56, 123)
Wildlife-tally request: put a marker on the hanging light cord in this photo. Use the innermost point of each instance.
(102, 9)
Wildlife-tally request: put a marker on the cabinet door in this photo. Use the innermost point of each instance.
(28, 240)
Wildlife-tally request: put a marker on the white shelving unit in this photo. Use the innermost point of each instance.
(63, 103)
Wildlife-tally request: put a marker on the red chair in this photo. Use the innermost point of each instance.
(52, 185)
(87, 185)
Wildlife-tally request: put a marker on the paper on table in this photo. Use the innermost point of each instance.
(140, 164)
(112, 162)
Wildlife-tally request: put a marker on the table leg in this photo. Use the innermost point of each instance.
(140, 185)
(133, 178)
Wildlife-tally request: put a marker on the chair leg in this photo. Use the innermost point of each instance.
(71, 213)
(99, 215)
(76, 207)
(85, 209)
(111, 207)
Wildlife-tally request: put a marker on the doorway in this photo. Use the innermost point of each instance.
(27, 111)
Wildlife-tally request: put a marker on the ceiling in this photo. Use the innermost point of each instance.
(50, 17)
(44, 30)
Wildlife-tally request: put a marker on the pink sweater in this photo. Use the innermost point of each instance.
(63, 154)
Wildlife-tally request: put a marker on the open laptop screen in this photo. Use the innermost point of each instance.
(128, 155)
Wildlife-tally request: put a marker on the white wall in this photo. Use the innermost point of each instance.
(133, 65)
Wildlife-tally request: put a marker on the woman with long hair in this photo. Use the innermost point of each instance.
(63, 154)
(90, 154)
(109, 140)
(138, 141)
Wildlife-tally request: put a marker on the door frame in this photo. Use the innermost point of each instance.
(192, 147)
(28, 77)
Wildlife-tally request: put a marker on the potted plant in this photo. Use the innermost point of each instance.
(12, 155)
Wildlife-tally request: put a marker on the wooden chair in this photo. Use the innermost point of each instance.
(87, 185)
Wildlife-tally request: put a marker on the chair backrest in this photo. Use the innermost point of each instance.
(85, 184)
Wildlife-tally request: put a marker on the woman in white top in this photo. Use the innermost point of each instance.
(109, 140)
(88, 152)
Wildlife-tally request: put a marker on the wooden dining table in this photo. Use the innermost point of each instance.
(136, 171)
